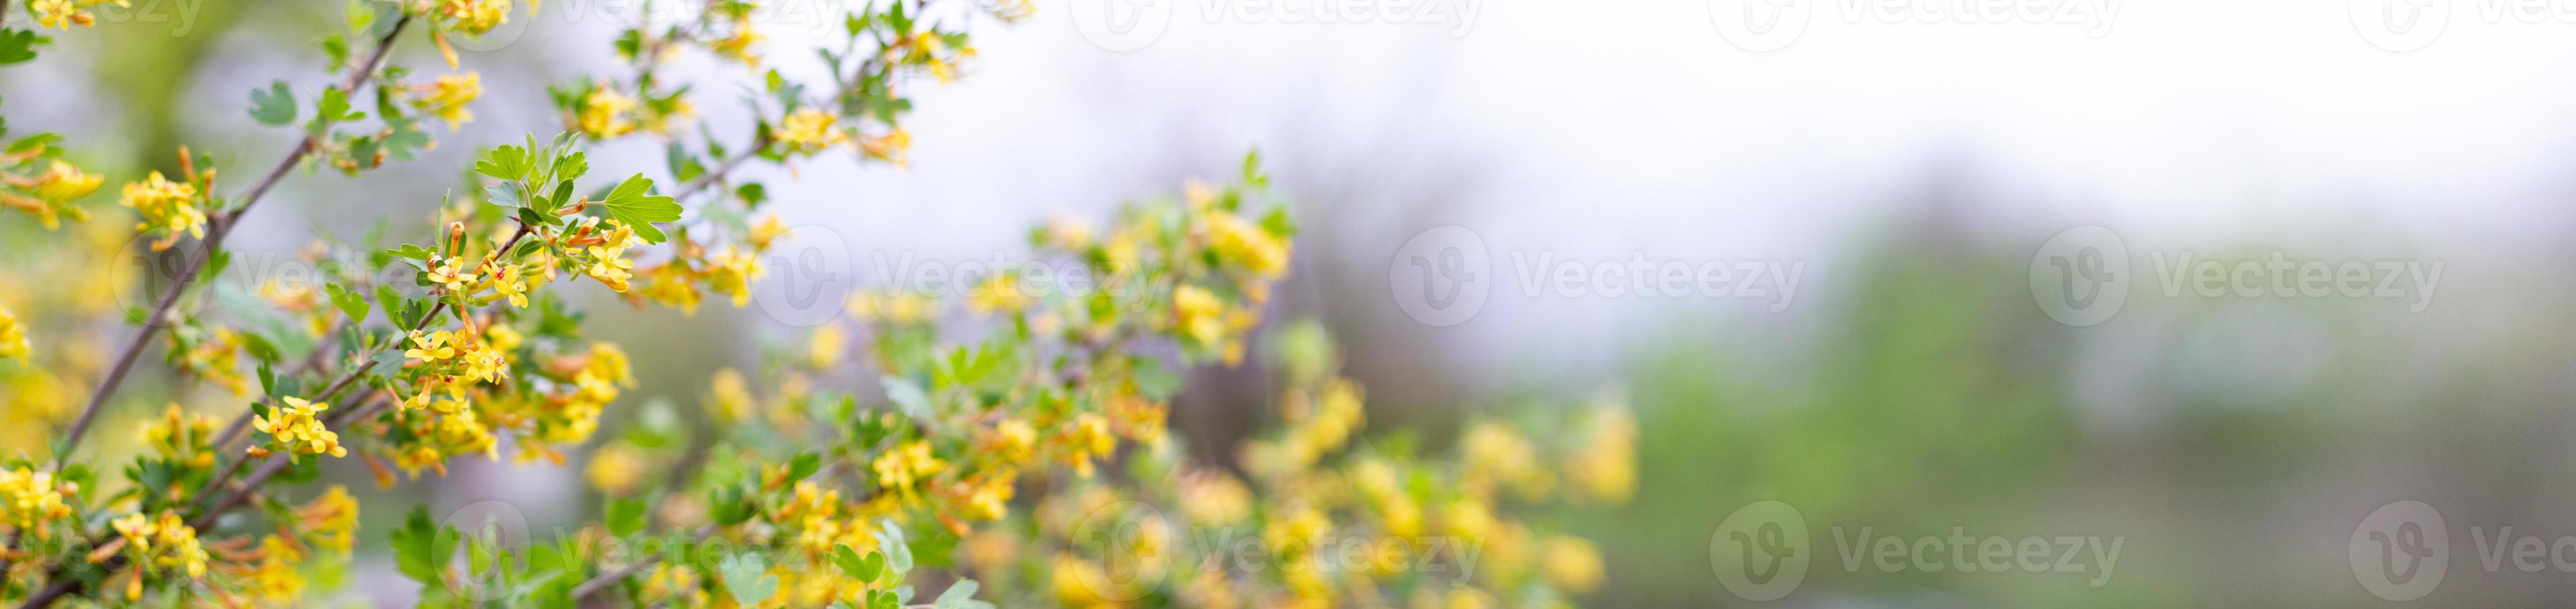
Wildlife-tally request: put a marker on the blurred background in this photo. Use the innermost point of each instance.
(1917, 360)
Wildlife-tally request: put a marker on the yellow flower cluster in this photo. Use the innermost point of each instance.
(294, 427)
(902, 469)
(13, 337)
(183, 437)
(169, 209)
(601, 250)
(475, 16)
(604, 114)
(275, 579)
(742, 45)
(444, 427)
(446, 98)
(62, 14)
(1604, 463)
(215, 357)
(331, 520)
(809, 130)
(894, 307)
(615, 470)
(49, 193)
(31, 498)
(891, 147)
(451, 360)
(162, 543)
(1247, 245)
(728, 271)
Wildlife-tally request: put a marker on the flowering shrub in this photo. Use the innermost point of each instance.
(1015, 451)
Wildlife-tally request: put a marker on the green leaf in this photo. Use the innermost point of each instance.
(806, 464)
(630, 204)
(747, 580)
(19, 45)
(625, 517)
(422, 548)
(866, 569)
(504, 162)
(274, 106)
(908, 397)
(334, 107)
(505, 194)
(961, 596)
(890, 539)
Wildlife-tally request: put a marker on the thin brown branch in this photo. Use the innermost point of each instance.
(218, 228)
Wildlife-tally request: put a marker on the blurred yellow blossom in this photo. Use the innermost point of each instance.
(169, 209)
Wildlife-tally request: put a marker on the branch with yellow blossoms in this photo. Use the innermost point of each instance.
(965, 466)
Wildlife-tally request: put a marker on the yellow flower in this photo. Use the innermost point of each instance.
(275, 579)
(30, 499)
(430, 347)
(824, 351)
(499, 337)
(604, 114)
(897, 307)
(332, 519)
(62, 14)
(164, 543)
(889, 147)
(1248, 245)
(1089, 438)
(730, 397)
(54, 189)
(904, 466)
(63, 181)
(730, 272)
(1000, 294)
(475, 16)
(1202, 315)
(1572, 564)
(447, 97)
(1212, 499)
(294, 428)
(989, 500)
(738, 47)
(450, 273)
(13, 337)
(217, 359)
(614, 470)
(1604, 467)
(168, 209)
(766, 231)
(609, 364)
(809, 130)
